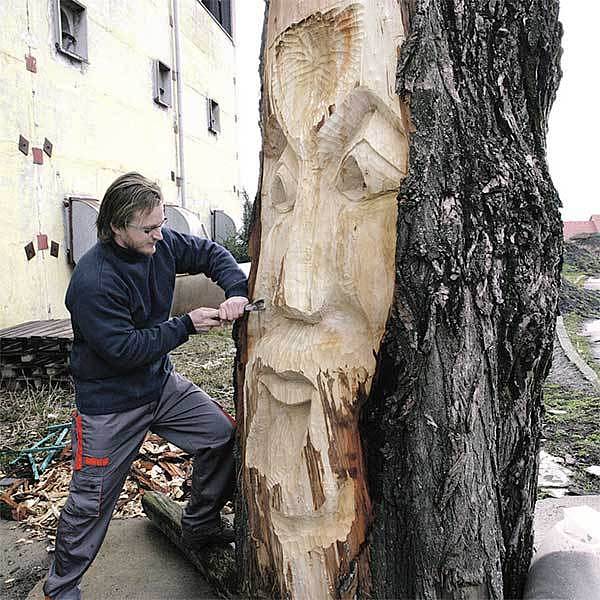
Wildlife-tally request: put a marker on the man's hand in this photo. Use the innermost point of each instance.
(232, 308)
(205, 319)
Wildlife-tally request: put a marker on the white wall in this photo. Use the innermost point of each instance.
(102, 121)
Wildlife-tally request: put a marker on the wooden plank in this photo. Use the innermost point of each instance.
(55, 330)
(43, 329)
(50, 328)
(15, 329)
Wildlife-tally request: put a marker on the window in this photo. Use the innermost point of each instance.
(221, 11)
(71, 29)
(162, 84)
(214, 116)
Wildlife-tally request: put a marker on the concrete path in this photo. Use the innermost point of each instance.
(138, 563)
(565, 566)
(593, 283)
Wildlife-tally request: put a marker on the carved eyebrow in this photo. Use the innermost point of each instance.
(320, 52)
(343, 124)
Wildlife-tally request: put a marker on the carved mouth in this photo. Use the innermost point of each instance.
(287, 387)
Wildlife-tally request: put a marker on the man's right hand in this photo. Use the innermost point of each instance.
(205, 319)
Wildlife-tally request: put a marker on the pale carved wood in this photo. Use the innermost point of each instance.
(335, 151)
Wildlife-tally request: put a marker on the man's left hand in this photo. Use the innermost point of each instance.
(232, 308)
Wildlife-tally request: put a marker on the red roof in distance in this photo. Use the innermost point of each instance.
(574, 228)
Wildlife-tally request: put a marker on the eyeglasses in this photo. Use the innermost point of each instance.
(149, 229)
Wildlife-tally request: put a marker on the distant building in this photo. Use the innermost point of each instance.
(574, 228)
(89, 90)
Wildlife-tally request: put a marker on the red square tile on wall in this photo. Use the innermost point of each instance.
(31, 63)
(42, 241)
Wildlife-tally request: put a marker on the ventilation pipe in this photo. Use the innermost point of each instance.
(179, 103)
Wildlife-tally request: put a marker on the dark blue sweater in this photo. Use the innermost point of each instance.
(120, 302)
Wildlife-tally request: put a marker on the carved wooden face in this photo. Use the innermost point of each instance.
(335, 151)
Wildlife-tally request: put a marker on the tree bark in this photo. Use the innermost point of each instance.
(452, 424)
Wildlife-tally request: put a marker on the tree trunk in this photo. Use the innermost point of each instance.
(452, 424)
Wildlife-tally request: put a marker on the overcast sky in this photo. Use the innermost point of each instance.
(574, 126)
(574, 133)
(248, 24)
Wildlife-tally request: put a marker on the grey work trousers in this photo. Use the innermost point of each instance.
(104, 446)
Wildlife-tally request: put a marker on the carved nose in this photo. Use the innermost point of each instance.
(302, 282)
(297, 291)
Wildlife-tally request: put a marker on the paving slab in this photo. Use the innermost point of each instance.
(591, 329)
(566, 563)
(550, 511)
(136, 562)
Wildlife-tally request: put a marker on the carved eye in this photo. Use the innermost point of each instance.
(279, 197)
(364, 174)
(350, 180)
(284, 184)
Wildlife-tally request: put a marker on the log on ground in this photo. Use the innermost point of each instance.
(216, 563)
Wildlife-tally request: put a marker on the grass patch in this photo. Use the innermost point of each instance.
(207, 360)
(574, 275)
(25, 414)
(573, 324)
(575, 433)
(583, 256)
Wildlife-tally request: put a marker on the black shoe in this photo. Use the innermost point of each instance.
(219, 533)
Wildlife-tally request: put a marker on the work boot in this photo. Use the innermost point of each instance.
(213, 483)
(220, 533)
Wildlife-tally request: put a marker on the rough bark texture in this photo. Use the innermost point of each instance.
(452, 425)
(244, 557)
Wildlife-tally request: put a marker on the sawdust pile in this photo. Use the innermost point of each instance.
(160, 466)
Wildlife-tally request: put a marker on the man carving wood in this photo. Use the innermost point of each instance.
(119, 298)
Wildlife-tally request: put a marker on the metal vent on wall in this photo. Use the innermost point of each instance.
(81, 223)
(222, 226)
(81, 215)
(184, 221)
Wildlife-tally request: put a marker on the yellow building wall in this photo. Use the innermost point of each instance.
(102, 121)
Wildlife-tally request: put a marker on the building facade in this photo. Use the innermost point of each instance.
(93, 89)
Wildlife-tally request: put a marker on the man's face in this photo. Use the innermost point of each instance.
(143, 232)
(335, 153)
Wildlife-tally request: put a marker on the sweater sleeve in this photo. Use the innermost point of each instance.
(104, 321)
(200, 255)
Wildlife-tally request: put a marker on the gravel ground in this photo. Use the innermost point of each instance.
(23, 561)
